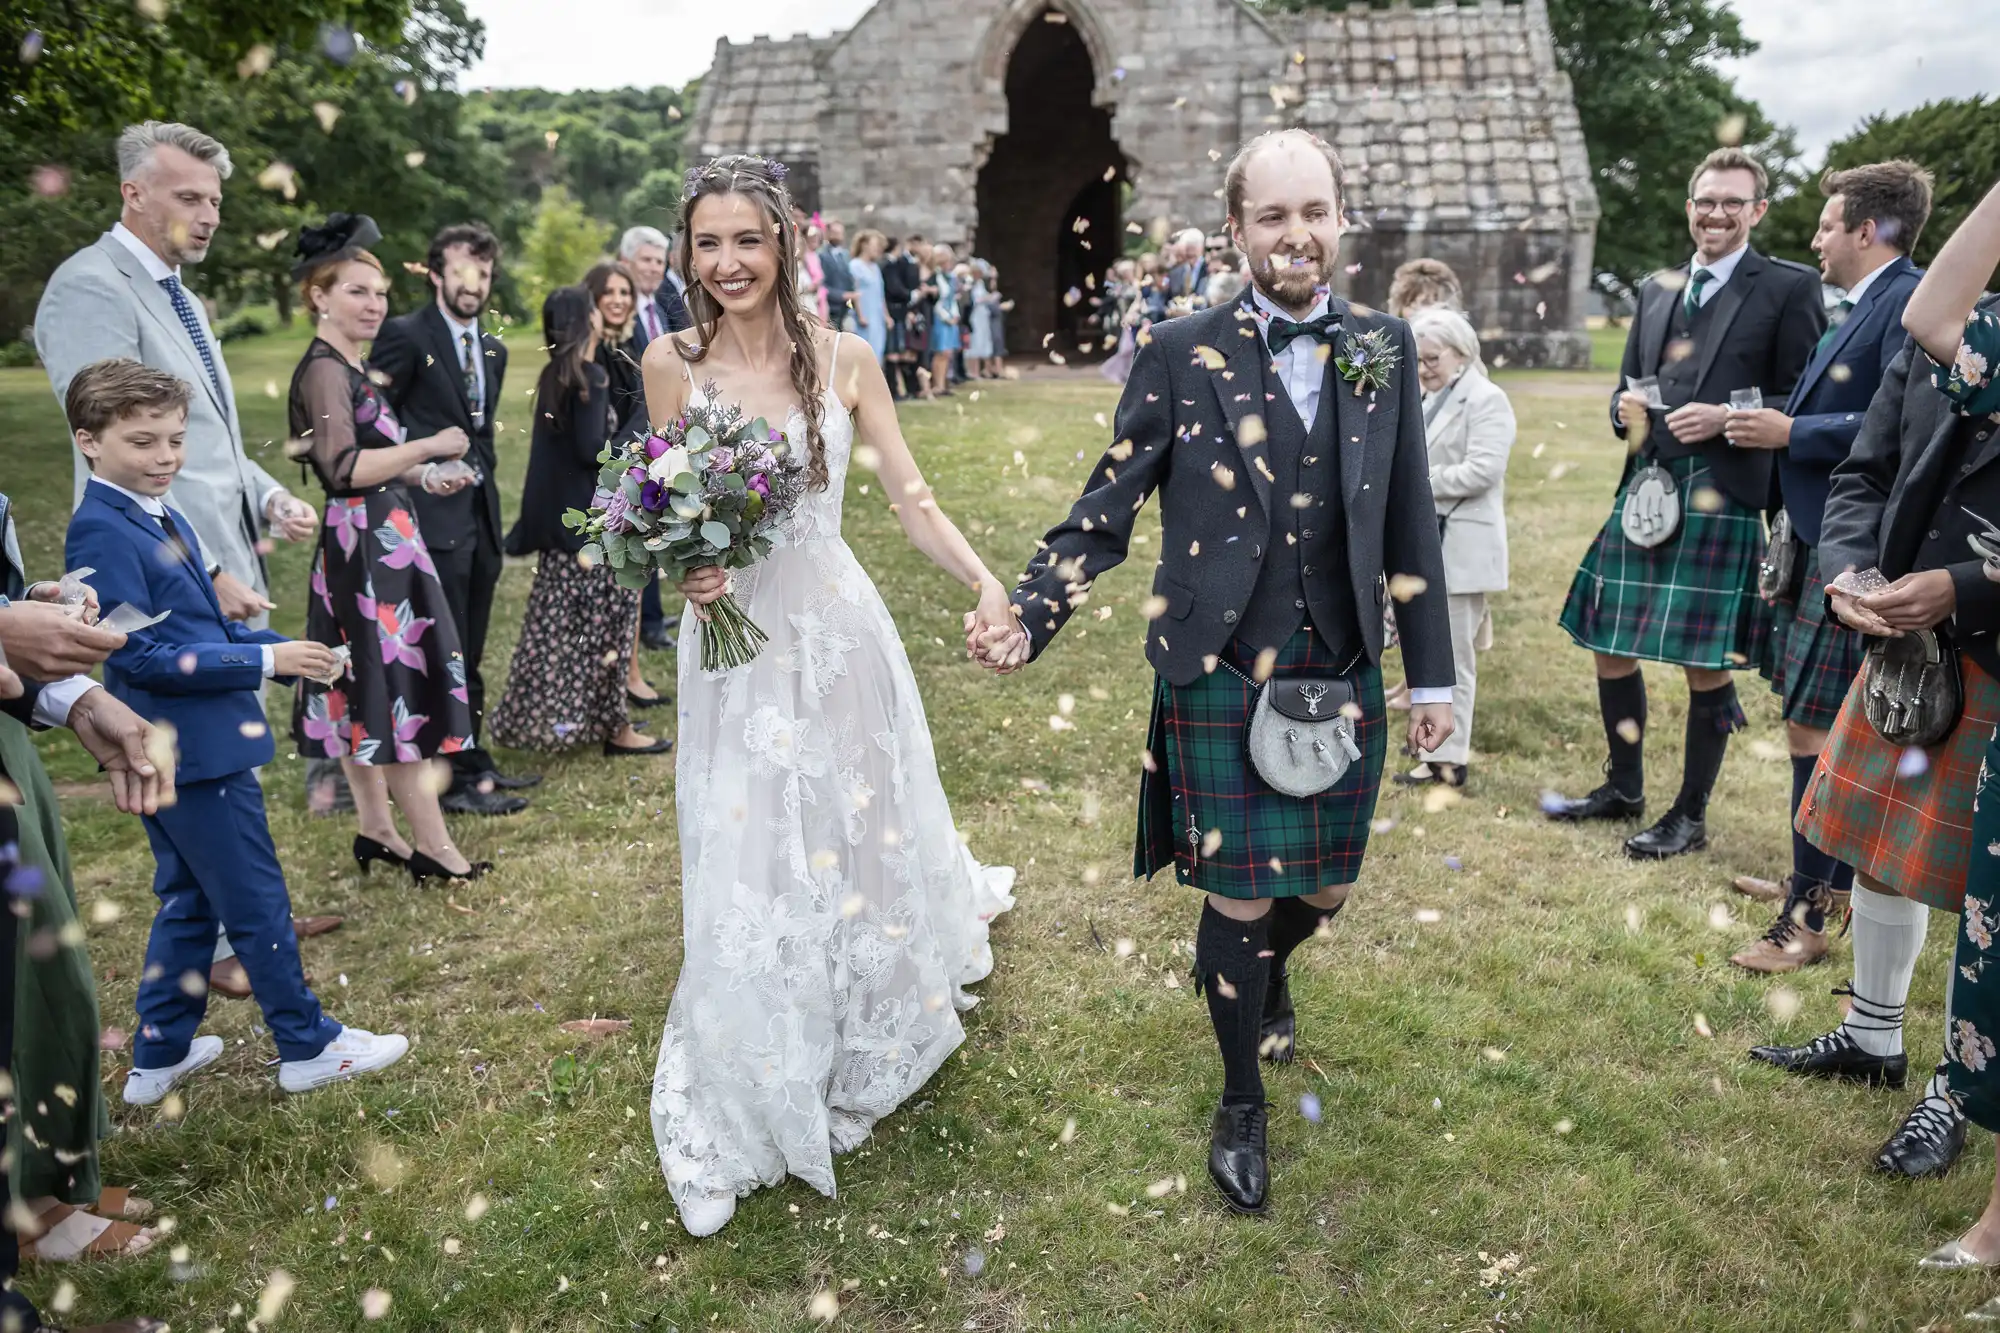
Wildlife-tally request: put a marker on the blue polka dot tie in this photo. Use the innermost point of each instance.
(185, 309)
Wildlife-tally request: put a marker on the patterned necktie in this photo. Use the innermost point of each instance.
(1282, 332)
(185, 309)
(469, 372)
(1697, 280)
(649, 315)
(1840, 314)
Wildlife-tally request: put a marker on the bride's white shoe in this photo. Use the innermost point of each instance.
(707, 1215)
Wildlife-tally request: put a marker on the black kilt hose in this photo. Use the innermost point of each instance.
(1690, 601)
(1204, 810)
(1813, 658)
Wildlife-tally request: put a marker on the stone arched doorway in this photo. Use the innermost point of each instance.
(1048, 195)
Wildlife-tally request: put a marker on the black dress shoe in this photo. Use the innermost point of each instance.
(1236, 1155)
(1433, 774)
(661, 636)
(1929, 1141)
(469, 800)
(423, 867)
(659, 745)
(1675, 835)
(1835, 1055)
(1607, 802)
(499, 781)
(658, 700)
(1278, 1042)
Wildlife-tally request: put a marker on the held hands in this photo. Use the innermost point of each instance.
(1430, 727)
(303, 657)
(993, 634)
(239, 600)
(47, 642)
(126, 745)
(1758, 428)
(1691, 423)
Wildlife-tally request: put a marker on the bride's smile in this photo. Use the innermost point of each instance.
(736, 258)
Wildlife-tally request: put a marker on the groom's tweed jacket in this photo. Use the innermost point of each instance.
(1184, 429)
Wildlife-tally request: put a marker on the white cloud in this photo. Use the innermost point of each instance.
(1824, 64)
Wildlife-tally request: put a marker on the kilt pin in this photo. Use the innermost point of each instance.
(1204, 811)
(1690, 601)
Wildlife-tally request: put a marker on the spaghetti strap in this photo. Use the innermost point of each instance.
(678, 356)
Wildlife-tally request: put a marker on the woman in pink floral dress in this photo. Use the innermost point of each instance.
(374, 588)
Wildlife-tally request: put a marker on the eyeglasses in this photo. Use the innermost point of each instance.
(1431, 360)
(1728, 207)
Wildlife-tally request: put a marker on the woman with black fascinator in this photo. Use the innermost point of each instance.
(375, 592)
(567, 685)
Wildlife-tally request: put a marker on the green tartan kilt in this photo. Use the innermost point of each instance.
(1691, 601)
(1812, 657)
(1198, 785)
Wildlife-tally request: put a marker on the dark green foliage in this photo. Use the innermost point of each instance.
(1958, 140)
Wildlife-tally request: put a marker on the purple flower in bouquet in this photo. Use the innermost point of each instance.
(617, 510)
(760, 483)
(655, 446)
(721, 459)
(652, 497)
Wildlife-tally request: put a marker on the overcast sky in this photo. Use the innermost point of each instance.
(1824, 63)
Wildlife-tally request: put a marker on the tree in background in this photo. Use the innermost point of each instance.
(1959, 140)
(617, 152)
(559, 247)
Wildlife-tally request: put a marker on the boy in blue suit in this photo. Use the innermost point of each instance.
(1867, 230)
(203, 675)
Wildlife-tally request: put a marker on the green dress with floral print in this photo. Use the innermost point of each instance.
(1972, 383)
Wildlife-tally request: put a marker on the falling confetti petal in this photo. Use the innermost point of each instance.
(1309, 1107)
(1701, 1026)
(825, 1307)
(375, 1303)
(1912, 763)
(278, 1289)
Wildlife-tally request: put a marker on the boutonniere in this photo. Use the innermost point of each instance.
(1366, 360)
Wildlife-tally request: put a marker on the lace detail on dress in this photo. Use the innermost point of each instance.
(832, 917)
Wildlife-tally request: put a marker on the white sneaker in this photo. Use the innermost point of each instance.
(352, 1052)
(143, 1087)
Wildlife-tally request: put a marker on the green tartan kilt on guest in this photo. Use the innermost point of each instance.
(1972, 1062)
(1906, 824)
(1812, 658)
(1204, 810)
(1692, 600)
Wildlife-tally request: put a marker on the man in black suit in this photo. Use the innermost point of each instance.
(1294, 492)
(1187, 280)
(1728, 320)
(1870, 223)
(661, 311)
(438, 369)
(901, 276)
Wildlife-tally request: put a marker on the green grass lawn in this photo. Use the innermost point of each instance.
(1522, 1126)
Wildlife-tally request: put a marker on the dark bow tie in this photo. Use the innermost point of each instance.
(1282, 332)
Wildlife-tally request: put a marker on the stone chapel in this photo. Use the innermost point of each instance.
(1042, 134)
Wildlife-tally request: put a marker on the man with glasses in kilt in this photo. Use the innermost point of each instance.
(1728, 321)
(1285, 435)
(1870, 223)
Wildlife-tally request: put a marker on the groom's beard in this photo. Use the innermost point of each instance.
(1291, 280)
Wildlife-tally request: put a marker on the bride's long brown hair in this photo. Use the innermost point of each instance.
(761, 181)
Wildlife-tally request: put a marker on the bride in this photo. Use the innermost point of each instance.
(831, 915)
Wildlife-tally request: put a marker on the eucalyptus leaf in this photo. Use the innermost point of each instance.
(715, 534)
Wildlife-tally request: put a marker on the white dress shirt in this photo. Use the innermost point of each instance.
(158, 509)
(156, 269)
(1301, 368)
(1853, 297)
(1719, 272)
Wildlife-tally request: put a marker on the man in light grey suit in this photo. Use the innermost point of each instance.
(123, 297)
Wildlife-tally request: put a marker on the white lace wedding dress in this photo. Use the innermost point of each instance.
(832, 917)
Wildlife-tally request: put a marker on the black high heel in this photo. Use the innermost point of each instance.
(367, 851)
(423, 867)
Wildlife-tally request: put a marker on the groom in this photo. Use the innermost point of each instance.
(1295, 496)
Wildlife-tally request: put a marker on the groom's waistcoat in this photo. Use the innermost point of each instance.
(1304, 579)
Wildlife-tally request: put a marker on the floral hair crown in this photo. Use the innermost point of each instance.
(723, 170)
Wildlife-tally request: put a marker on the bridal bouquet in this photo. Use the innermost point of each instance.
(708, 488)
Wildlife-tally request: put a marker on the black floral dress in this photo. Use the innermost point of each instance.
(374, 589)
